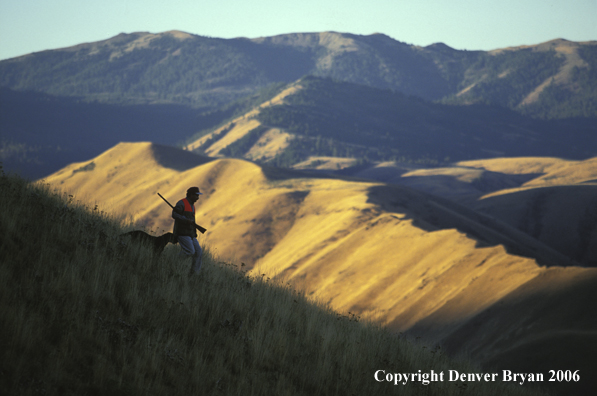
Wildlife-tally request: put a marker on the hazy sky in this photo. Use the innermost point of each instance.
(34, 25)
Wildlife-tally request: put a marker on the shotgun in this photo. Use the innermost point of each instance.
(197, 226)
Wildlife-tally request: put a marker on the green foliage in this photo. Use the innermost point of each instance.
(85, 168)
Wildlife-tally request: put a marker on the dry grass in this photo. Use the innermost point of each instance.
(85, 313)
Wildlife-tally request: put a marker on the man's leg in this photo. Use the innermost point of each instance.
(186, 245)
(196, 266)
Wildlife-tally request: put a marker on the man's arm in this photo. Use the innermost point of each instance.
(177, 213)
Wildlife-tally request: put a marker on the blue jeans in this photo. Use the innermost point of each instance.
(190, 248)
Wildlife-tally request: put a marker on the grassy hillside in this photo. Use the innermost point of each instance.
(405, 259)
(87, 312)
(507, 77)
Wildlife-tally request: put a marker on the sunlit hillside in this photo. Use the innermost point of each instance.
(89, 311)
(551, 199)
(471, 180)
(401, 257)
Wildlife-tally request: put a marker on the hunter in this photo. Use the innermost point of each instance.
(185, 230)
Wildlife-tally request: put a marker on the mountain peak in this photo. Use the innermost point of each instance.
(440, 47)
(179, 34)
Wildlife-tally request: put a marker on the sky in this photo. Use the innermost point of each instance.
(35, 25)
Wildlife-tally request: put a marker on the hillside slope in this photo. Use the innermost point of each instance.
(558, 207)
(555, 79)
(316, 118)
(551, 199)
(90, 312)
(400, 257)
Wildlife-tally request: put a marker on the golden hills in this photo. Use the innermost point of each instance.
(551, 199)
(398, 256)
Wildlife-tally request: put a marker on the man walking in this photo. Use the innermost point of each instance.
(184, 228)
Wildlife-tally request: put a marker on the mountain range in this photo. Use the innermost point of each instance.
(177, 67)
(370, 98)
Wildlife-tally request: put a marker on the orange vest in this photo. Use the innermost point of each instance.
(188, 207)
(181, 228)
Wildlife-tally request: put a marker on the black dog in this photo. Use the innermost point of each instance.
(158, 243)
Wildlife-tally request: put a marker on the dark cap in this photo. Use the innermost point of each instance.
(194, 190)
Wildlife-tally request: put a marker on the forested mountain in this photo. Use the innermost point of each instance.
(551, 80)
(557, 79)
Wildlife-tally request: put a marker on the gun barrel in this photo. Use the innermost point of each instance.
(166, 201)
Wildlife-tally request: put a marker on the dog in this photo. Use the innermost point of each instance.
(158, 243)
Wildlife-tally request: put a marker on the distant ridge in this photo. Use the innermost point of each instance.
(178, 67)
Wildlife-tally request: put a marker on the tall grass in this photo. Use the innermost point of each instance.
(86, 312)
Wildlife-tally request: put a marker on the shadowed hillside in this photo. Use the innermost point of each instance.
(315, 118)
(402, 258)
(536, 327)
(41, 133)
(563, 217)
